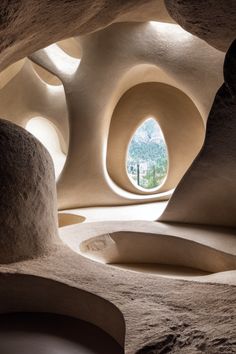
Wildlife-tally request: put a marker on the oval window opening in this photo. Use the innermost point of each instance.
(47, 134)
(147, 156)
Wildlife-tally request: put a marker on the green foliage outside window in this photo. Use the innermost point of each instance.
(147, 159)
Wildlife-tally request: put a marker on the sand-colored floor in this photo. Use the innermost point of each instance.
(148, 211)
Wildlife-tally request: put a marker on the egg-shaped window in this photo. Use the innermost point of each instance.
(147, 156)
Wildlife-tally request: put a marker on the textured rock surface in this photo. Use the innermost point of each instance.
(206, 194)
(214, 21)
(28, 196)
(161, 315)
(28, 25)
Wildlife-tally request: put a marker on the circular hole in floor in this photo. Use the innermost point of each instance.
(41, 333)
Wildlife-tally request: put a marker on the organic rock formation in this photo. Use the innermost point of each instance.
(207, 194)
(153, 52)
(213, 21)
(86, 87)
(26, 26)
(194, 315)
(28, 196)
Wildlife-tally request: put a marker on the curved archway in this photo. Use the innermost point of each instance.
(49, 136)
(179, 120)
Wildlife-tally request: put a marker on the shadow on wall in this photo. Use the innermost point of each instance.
(49, 333)
(65, 219)
(50, 137)
(207, 192)
(37, 294)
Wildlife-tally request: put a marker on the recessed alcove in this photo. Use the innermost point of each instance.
(126, 247)
(45, 333)
(65, 219)
(176, 251)
(46, 132)
(46, 76)
(176, 131)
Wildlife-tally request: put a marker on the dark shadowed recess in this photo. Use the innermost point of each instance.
(206, 194)
(41, 333)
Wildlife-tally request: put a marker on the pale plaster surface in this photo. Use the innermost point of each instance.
(147, 211)
(144, 242)
(47, 134)
(179, 122)
(92, 111)
(90, 119)
(33, 97)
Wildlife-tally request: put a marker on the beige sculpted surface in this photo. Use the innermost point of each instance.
(206, 194)
(105, 296)
(92, 113)
(152, 100)
(154, 266)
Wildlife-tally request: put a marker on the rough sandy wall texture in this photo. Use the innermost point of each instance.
(28, 25)
(28, 196)
(214, 21)
(161, 315)
(206, 194)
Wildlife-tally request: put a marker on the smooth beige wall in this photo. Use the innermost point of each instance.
(113, 61)
(179, 119)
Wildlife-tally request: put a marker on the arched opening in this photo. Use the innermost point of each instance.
(50, 137)
(147, 156)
